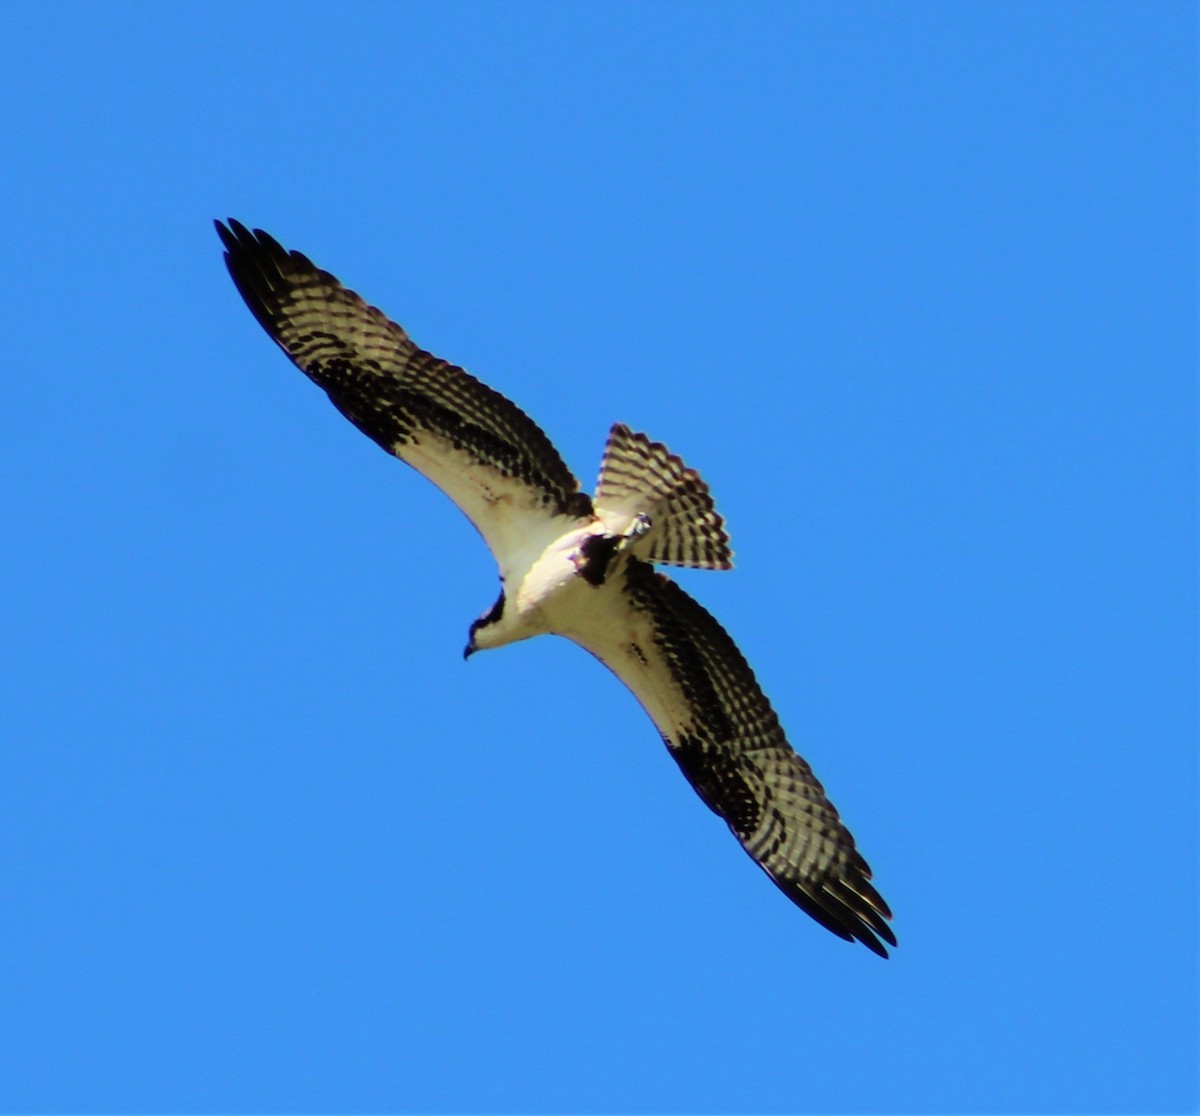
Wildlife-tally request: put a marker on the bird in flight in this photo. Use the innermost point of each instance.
(580, 567)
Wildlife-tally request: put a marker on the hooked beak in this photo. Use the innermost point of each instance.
(469, 650)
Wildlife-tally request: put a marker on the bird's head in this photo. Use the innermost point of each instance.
(486, 631)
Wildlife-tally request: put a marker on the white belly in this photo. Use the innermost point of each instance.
(552, 589)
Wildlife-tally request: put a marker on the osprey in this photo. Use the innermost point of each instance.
(580, 567)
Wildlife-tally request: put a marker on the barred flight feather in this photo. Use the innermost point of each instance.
(733, 751)
(408, 401)
(641, 476)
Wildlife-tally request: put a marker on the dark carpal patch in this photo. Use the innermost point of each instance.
(721, 781)
(598, 552)
(674, 633)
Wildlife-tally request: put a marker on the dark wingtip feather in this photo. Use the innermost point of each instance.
(841, 917)
(873, 944)
(256, 262)
(234, 235)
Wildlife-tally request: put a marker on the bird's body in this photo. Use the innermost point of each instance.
(543, 590)
(580, 567)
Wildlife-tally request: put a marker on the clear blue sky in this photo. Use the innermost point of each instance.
(914, 287)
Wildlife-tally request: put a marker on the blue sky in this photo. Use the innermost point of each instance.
(912, 285)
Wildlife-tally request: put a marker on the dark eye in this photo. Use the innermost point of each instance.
(497, 610)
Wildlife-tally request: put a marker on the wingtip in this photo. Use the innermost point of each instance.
(876, 947)
(869, 931)
(232, 232)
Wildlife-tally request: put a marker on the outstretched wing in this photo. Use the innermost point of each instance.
(718, 725)
(485, 453)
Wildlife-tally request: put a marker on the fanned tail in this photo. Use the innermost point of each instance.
(641, 477)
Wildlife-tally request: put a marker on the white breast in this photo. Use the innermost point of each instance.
(551, 588)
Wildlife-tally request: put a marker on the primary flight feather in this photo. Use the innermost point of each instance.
(580, 567)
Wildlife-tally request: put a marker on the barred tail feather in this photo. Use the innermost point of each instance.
(638, 476)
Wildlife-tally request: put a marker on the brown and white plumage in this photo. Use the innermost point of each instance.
(641, 477)
(581, 569)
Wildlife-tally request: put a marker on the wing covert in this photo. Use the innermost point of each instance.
(476, 445)
(722, 732)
